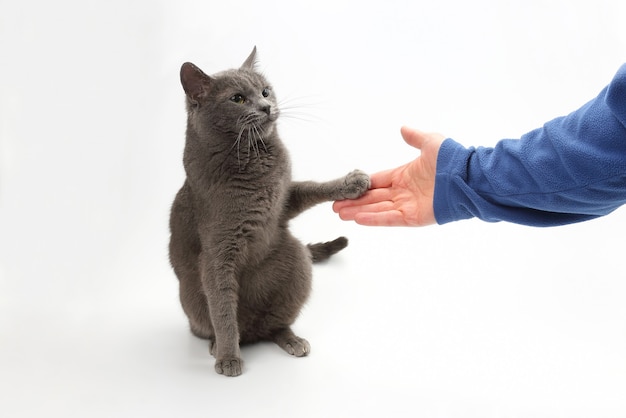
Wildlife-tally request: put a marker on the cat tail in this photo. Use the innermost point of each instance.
(323, 250)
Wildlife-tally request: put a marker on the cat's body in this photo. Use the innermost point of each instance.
(243, 276)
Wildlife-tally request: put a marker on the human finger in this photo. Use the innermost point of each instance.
(381, 179)
(351, 212)
(371, 196)
(386, 218)
(413, 137)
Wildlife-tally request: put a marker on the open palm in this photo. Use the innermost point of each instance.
(402, 196)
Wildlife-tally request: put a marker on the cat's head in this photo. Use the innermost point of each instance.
(236, 102)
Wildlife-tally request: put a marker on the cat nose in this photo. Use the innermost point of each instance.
(267, 109)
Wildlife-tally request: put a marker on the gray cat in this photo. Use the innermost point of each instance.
(243, 277)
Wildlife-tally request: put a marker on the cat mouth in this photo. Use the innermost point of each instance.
(269, 114)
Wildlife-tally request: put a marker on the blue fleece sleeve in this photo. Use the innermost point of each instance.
(570, 170)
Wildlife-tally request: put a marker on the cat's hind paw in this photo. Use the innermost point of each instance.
(291, 343)
(298, 347)
(355, 184)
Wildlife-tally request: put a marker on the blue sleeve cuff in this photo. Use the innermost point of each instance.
(452, 162)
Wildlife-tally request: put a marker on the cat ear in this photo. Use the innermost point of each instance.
(250, 61)
(195, 82)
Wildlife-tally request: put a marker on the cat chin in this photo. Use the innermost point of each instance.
(269, 126)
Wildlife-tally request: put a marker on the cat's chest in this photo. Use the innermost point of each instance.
(235, 191)
(246, 197)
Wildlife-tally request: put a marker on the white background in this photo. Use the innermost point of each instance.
(464, 320)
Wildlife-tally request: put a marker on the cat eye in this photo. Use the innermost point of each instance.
(238, 98)
(265, 92)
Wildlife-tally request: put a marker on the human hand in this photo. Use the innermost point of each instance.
(401, 196)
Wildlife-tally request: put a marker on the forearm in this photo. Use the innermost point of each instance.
(572, 169)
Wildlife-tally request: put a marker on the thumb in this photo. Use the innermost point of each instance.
(413, 137)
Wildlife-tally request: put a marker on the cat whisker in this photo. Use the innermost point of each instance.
(301, 101)
(259, 132)
(258, 138)
(237, 144)
(252, 141)
(304, 117)
(293, 108)
(248, 137)
(263, 143)
(294, 112)
(253, 130)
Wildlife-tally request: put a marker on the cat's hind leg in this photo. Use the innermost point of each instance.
(291, 343)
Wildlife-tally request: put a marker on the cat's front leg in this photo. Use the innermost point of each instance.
(232, 366)
(306, 194)
(226, 349)
(221, 287)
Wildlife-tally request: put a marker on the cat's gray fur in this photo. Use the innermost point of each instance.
(243, 276)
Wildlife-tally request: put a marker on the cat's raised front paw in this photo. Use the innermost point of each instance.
(355, 184)
(229, 367)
